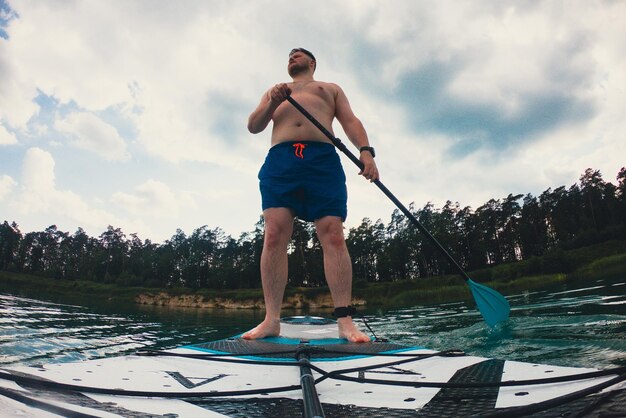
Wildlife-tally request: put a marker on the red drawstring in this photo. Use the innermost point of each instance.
(299, 148)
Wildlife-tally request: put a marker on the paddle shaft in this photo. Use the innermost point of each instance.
(311, 401)
(337, 142)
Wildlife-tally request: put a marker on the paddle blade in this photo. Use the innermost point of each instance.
(491, 304)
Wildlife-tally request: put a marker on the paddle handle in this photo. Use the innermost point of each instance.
(337, 142)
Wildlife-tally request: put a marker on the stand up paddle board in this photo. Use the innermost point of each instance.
(307, 371)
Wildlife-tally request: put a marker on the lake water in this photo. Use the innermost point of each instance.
(561, 326)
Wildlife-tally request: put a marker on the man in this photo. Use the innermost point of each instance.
(302, 176)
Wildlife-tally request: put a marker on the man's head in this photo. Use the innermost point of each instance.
(302, 61)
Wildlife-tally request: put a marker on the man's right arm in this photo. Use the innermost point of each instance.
(262, 115)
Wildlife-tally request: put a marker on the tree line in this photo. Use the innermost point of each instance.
(517, 227)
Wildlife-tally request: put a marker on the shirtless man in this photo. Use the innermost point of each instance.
(302, 176)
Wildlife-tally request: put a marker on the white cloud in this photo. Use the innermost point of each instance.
(504, 60)
(6, 137)
(173, 86)
(16, 92)
(38, 188)
(67, 52)
(91, 133)
(39, 201)
(154, 199)
(7, 185)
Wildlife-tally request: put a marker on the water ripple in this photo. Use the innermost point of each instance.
(575, 327)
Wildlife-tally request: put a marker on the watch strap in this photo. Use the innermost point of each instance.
(369, 149)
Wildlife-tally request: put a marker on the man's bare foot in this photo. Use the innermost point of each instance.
(349, 331)
(267, 328)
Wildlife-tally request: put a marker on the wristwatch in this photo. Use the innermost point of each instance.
(370, 149)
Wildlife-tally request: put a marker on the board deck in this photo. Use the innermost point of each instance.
(236, 377)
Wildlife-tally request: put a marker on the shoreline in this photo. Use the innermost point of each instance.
(427, 291)
(299, 300)
(371, 295)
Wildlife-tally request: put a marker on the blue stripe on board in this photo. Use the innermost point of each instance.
(298, 341)
(278, 341)
(255, 358)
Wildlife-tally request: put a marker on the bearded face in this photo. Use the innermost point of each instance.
(296, 68)
(298, 63)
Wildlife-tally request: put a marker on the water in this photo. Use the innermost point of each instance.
(561, 326)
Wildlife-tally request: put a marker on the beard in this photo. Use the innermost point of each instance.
(297, 69)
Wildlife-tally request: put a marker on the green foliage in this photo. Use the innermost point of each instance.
(400, 293)
(605, 268)
(501, 241)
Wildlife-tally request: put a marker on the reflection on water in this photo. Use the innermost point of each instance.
(33, 331)
(576, 327)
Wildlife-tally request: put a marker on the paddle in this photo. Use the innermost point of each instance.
(312, 407)
(492, 305)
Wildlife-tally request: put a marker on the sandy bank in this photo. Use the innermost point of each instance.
(296, 301)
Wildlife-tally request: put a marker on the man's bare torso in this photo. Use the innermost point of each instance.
(319, 99)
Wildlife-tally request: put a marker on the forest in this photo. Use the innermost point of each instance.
(514, 228)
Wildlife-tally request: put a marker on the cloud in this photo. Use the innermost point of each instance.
(6, 137)
(154, 199)
(173, 90)
(91, 133)
(38, 188)
(478, 74)
(39, 201)
(38, 198)
(16, 107)
(7, 185)
(463, 101)
(474, 124)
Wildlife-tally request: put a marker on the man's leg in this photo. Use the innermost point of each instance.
(338, 270)
(278, 229)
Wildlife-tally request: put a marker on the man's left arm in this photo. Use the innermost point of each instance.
(356, 133)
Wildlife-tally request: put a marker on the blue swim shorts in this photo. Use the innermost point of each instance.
(306, 177)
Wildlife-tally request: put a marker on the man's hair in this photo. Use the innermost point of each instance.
(305, 52)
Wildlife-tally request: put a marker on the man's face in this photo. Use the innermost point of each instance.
(298, 63)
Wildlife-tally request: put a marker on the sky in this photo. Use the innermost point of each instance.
(133, 113)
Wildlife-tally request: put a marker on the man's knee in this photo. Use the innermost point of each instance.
(330, 233)
(275, 237)
(278, 230)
